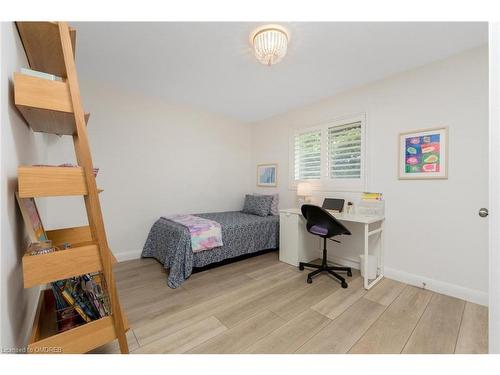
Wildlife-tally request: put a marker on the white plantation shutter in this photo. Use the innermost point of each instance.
(344, 151)
(307, 152)
(331, 155)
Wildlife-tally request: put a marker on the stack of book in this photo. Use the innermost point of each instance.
(371, 204)
(371, 196)
(80, 300)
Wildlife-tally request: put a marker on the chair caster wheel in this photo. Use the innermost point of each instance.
(349, 273)
(344, 284)
(301, 267)
(309, 280)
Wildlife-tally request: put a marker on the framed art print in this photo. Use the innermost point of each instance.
(267, 175)
(423, 154)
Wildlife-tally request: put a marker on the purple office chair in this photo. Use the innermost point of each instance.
(322, 224)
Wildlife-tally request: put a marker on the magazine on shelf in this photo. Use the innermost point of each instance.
(32, 220)
(65, 288)
(81, 296)
(67, 165)
(66, 316)
(95, 296)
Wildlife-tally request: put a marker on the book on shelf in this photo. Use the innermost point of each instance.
(101, 294)
(32, 220)
(67, 165)
(66, 291)
(38, 74)
(95, 293)
(66, 316)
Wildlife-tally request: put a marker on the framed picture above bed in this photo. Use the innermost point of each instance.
(423, 154)
(267, 175)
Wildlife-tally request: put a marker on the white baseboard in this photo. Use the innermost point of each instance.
(471, 295)
(128, 255)
(344, 261)
(452, 290)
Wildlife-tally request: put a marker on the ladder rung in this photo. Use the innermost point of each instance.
(51, 181)
(42, 93)
(45, 105)
(62, 264)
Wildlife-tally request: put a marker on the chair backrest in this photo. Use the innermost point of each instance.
(318, 217)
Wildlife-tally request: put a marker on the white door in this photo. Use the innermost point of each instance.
(494, 217)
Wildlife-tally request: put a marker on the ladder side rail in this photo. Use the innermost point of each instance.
(84, 158)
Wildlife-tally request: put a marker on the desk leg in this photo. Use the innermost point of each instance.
(380, 265)
(381, 257)
(365, 263)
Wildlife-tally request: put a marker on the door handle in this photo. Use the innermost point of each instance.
(483, 212)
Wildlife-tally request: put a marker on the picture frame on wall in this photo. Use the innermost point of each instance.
(32, 220)
(267, 175)
(423, 154)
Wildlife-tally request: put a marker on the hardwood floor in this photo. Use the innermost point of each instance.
(260, 305)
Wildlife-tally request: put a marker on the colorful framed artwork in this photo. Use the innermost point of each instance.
(32, 219)
(423, 154)
(267, 175)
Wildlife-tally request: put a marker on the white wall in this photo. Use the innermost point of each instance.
(19, 145)
(433, 232)
(155, 158)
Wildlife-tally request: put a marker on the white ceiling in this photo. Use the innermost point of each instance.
(211, 66)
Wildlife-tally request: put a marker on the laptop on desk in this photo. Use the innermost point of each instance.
(333, 204)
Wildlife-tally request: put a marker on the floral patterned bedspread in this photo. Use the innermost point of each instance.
(170, 242)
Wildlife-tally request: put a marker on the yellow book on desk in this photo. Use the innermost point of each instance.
(371, 196)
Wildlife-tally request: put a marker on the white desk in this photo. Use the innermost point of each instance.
(297, 245)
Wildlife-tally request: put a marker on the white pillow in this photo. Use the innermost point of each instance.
(274, 210)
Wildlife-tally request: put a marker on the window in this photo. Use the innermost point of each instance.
(329, 156)
(344, 151)
(308, 155)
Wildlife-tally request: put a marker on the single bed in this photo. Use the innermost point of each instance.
(242, 233)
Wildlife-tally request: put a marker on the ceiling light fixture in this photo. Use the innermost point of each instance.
(270, 43)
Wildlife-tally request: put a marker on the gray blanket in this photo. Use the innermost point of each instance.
(170, 242)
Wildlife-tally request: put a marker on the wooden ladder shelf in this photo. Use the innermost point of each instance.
(55, 107)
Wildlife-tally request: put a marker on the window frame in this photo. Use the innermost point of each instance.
(325, 183)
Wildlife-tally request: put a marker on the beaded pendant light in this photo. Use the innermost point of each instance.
(270, 43)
